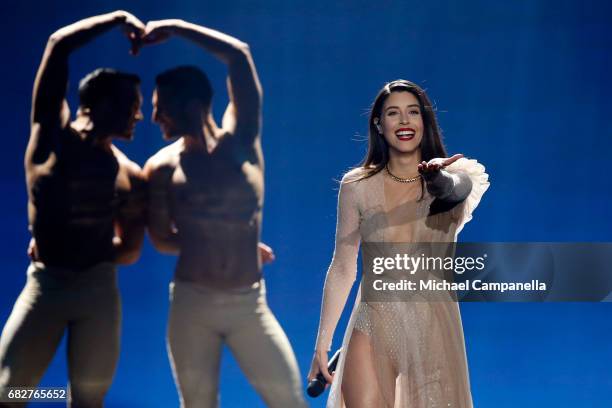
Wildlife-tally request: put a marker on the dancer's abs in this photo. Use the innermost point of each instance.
(218, 226)
(217, 207)
(219, 253)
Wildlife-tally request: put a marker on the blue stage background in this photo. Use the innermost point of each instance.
(524, 87)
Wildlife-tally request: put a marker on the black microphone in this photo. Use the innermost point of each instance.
(317, 385)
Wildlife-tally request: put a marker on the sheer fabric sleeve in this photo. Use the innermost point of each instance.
(448, 186)
(343, 269)
(480, 183)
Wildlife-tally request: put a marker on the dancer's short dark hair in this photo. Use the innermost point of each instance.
(185, 83)
(105, 83)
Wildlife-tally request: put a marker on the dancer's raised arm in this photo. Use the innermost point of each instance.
(243, 114)
(50, 110)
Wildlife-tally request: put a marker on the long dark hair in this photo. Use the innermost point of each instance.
(377, 156)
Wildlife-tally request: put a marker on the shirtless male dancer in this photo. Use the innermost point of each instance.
(85, 210)
(206, 197)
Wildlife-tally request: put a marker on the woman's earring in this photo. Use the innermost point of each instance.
(378, 127)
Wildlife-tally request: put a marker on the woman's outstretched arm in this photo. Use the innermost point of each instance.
(445, 186)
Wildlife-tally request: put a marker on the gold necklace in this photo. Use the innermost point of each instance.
(399, 179)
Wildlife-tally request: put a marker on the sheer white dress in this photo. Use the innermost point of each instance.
(420, 343)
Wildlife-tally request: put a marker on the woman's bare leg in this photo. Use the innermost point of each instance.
(368, 378)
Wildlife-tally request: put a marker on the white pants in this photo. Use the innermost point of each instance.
(83, 302)
(203, 319)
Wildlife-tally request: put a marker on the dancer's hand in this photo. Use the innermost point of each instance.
(133, 28)
(319, 365)
(428, 169)
(159, 31)
(266, 253)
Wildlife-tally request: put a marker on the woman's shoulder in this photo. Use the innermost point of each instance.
(357, 175)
